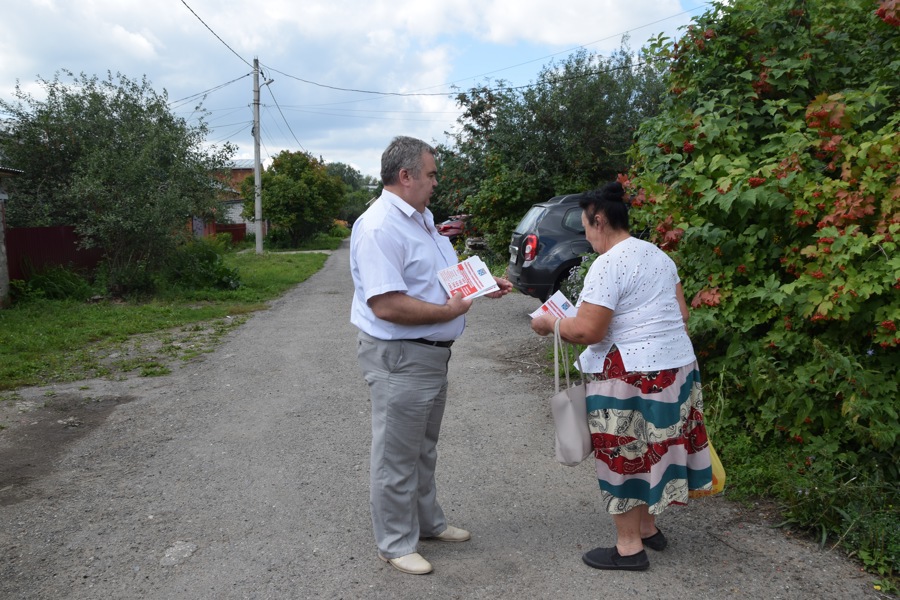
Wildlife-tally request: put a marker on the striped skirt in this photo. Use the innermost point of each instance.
(649, 438)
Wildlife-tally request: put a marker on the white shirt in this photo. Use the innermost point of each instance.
(636, 280)
(395, 248)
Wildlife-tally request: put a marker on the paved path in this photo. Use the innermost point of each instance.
(246, 476)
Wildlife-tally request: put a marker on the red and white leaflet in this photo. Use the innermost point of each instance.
(557, 305)
(471, 277)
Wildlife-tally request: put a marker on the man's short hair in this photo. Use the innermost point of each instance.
(403, 153)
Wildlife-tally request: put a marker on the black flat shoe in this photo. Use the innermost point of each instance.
(610, 559)
(657, 541)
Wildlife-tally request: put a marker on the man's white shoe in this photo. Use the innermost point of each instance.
(452, 534)
(414, 563)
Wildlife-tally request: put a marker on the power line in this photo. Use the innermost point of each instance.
(454, 92)
(557, 80)
(554, 81)
(371, 117)
(231, 124)
(570, 50)
(273, 119)
(418, 93)
(209, 91)
(248, 124)
(262, 142)
(268, 87)
(312, 107)
(216, 34)
(343, 89)
(213, 121)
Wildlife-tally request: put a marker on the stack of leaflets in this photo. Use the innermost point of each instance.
(558, 305)
(471, 277)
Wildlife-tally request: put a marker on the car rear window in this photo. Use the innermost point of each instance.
(572, 219)
(530, 220)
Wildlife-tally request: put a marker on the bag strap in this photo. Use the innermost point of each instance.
(561, 347)
(557, 342)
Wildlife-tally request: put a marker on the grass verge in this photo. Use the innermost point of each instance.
(49, 341)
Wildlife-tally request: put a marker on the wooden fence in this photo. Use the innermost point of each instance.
(30, 250)
(238, 232)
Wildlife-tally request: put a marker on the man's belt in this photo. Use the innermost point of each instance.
(431, 342)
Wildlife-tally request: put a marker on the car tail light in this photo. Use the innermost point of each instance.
(529, 247)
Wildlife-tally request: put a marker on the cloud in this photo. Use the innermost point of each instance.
(312, 47)
(138, 45)
(574, 21)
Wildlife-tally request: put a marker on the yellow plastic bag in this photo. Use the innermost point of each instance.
(718, 476)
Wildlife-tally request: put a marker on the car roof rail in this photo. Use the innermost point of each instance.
(564, 198)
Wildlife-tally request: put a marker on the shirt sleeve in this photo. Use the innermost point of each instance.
(381, 268)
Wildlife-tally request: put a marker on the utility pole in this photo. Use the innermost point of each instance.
(257, 175)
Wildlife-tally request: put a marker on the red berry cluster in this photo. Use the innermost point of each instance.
(755, 182)
(889, 12)
(762, 86)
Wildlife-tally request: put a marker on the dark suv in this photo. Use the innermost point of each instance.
(546, 244)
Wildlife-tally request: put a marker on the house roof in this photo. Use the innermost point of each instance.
(241, 163)
(5, 171)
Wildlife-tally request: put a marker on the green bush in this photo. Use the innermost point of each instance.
(224, 240)
(107, 156)
(839, 504)
(52, 283)
(199, 264)
(339, 230)
(299, 195)
(279, 239)
(771, 177)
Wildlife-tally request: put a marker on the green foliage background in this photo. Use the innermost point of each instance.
(771, 175)
(109, 157)
(358, 189)
(299, 197)
(568, 132)
(761, 152)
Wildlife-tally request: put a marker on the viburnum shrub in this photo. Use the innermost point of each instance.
(772, 176)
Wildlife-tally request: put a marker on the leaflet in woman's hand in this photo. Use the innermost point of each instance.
(471, 277)
(558, 305)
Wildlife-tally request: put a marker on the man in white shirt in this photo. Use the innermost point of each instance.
(407, 325)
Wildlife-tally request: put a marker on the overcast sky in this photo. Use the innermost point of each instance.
(420, 48)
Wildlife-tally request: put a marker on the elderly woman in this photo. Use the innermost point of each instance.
(645, 408)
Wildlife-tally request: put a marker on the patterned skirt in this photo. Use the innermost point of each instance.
(649, 438)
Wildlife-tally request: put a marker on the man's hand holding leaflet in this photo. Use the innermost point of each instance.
(470, 277)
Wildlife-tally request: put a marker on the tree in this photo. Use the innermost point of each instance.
(462, 164)
(567, 133)
(299, 197)
(771, 175)
(108, 156)
(351, 177)
(358, 189)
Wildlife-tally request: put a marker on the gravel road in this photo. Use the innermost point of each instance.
(245, 475)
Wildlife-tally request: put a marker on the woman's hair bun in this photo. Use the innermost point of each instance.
(611, 201)
(612, 192)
